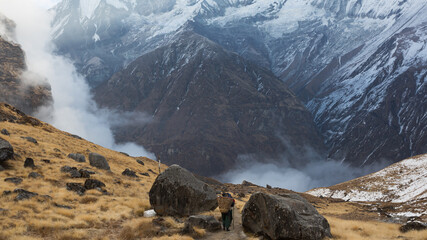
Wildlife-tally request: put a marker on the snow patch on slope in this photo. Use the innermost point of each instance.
(88, 7)
(401, 182)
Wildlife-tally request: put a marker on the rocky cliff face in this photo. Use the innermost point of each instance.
(12, 90)
(27, 97)
(208, 106)
(378, 101)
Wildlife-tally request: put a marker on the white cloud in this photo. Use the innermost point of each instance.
(73, 110)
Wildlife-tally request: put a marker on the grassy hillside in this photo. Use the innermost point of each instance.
(57, 213)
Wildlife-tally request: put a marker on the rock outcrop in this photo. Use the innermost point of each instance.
(98, 161)
(6, 150)
(177, 192)
(12, 89)
(288, 216)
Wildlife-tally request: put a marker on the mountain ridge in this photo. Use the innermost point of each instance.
(202, 100)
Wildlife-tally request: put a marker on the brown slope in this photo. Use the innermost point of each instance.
(208, 106)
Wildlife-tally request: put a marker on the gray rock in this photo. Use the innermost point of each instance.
(29, 162)
(177, 192)
(5, 132)
(15, 180)
(206, 222)
(23, 194)
(67, 169)
(34, 175)
(288, 216)
(129, 173)
(62, 206)
(93, 184)
(77, 157)
(145, 174)
(6, 150)
(76, 187)
(140, 162)
(75, 174)
(30, 139)
(75, 136)
(85, 173)
(413, 225)
(2, 168)
(46, 160)
(98, 161)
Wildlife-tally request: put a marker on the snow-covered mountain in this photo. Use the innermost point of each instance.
(359, 65)
(404, 182)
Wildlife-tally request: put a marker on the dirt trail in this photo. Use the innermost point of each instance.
(236, 231)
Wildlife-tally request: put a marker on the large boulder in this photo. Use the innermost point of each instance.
(177, 192)
(288, 216)
(98, 161)
(6, 150)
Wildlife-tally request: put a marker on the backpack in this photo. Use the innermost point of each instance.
(224, 204)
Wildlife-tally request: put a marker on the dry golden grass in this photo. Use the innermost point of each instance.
(362, 230)
(39, 218)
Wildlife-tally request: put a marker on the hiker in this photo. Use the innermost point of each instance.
(226, 204)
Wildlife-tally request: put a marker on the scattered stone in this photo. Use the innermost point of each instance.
(75, 174)
(56, 150)
(248, 184)
(76, 187)
(241, 195)
(140, 162)
(125, 154)
(98, 161)
(5, 193)
(2, 168)
(85, 173)
(62, 206)
(129, 173)
(77, 157)
(23, 194)
(75, 136)
(145, 174)
(177, 192)
(29, 163)
(46, 160)
(151, 171)
(3, 210)
(93, 184)
(15, 180)
(268, 186)
(288, 216)
(30, 139)
(5, 132)
(34, 175)
(149, 213)
(412, 225)
(6, 150)
(206, 222)
(67, 169)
